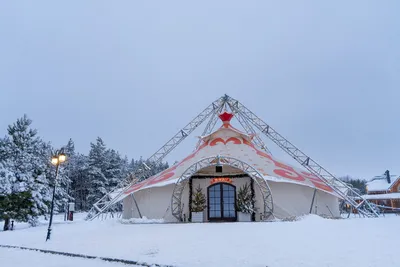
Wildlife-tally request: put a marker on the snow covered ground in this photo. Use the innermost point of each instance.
(57, 219)
(312, 241)
(23, 258)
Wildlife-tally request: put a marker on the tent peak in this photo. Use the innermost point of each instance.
(226, 117)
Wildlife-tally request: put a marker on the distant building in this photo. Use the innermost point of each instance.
(384, 190)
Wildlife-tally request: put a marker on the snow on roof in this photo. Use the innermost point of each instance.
(380, 183)
(382, 196)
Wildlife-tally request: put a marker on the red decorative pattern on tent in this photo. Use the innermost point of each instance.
(289, 172)
(230, 139)
(237, 145)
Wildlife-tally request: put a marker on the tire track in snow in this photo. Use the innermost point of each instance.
(67, 254)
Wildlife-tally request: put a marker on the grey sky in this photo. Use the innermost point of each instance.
(325, 75)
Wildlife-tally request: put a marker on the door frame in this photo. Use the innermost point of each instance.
(222, 218)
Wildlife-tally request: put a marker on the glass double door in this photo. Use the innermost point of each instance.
(221, 202)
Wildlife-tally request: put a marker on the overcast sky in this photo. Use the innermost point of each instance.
(324, 75)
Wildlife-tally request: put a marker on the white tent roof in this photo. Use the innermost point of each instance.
(230, 142)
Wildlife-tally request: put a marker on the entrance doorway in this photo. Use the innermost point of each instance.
(221, 202)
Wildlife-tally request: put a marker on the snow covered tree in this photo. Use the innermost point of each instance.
(96, 171)
(77, 170)
(125, 167)
(114, 169)
(23, 169)
(63, 187)
(359, 184)
(132, 165)
(15, 206)
(245, 202)
(5, 174)
(26, 170)
(7, 211)
(156, 168)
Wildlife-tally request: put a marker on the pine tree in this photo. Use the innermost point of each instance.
(132, 166)
(63, 187)
(96, 171)
(26, 173)
(15, 206)
(6, 209)
(5, 174)
(245, 203)
(125, 167)
(24, 159)
(114, 169)
(199, 200)
(77, 170)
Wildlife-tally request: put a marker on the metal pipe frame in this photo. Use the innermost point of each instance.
(247, 119)
(211, 123)
(340, 187)
(141, 174)
(312, 201)
(250, 130)
(137, 207)
(176, 199)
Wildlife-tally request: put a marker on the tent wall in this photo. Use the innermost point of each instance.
(288, 199)
(153, 203)
(326, 204)
(295, 200)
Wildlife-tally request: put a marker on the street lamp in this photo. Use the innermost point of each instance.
(58, 158)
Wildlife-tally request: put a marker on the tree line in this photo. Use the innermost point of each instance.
(27, 175)
(359, 184)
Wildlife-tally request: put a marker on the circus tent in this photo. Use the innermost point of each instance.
(278, 190)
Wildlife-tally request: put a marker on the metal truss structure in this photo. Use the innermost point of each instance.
(211, 123)
(249, 130)
(250, 122)
(140, 174)
(176, 200)
(341, 188)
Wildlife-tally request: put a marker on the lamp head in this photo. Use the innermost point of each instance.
(54, 160)
(62, 158)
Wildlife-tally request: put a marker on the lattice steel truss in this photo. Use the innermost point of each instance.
(176, 200)
(340, 187)
(250, 122)
(211, 123)
(142, 173)
(250, 130)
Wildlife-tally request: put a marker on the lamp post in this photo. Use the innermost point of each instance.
(58, 158)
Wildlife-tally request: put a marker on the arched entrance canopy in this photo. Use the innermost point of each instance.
(176, 200)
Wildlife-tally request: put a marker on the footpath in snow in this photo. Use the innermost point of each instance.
(312, 241)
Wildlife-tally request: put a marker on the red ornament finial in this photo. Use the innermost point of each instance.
(226, 117)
